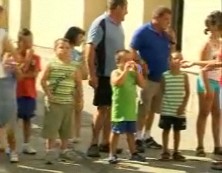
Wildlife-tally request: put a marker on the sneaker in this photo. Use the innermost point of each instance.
(217, 151)
(51, 156)
(216, 165)
(113, 160)
(165, 156)
(140, 146)
(177, 156)
(27, 149)
(104, 148)
(151, 143)
(69, 155)
(14, 157)
(93, 151)
(200, 152)
(137, 157)
(76, 140)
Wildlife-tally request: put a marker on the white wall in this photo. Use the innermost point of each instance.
(14, 18)
(49, 19)
(195, 12)
(51, 22)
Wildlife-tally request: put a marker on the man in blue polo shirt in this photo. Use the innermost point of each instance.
(152, 43)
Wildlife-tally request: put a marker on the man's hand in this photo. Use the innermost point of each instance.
(79, 105)
(181, 110)
(93, 81)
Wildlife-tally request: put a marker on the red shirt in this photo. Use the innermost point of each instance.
(26, 87)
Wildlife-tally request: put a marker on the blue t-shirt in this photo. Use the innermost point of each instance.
(154, 49)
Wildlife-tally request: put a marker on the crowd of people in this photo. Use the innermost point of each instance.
(152, 62)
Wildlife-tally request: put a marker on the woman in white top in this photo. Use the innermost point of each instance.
(208, 88)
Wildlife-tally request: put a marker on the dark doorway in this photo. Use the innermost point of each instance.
(177, 23)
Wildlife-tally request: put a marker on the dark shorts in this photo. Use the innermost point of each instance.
(103, 93)
(26, 107)
(166, 122)
(124, 127)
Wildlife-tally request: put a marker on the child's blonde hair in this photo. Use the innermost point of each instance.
(60, 40)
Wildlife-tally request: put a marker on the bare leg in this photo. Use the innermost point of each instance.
(114, 138)
(26, 130)
(106, 127)
(98, 123)
(131, 142)
(77, 124)
(64, 144)
(165, 139)
(215, 110)
(176, 141)
(201, 120)
(149, 122)
(51, 144)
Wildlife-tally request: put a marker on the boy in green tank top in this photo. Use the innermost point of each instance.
(60, 81)
(175, 88)
(123, 115)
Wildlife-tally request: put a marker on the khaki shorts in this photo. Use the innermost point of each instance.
(150, 98)
(58, 121)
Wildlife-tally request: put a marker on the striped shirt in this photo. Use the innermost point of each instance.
(61, 81)
(174, 93)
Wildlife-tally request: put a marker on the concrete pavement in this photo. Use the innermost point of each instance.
(35, 164)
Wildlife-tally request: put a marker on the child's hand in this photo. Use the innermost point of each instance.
(49, 96)
(181, 110)
(128, 65)
(29, 54)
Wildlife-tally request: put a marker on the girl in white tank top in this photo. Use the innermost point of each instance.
(212, 55)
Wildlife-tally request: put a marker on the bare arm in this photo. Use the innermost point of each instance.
(79, 89)
(44, 82)
(117, 78)
(7, 45)
(181, 109)
(187, 90)
(90, 59)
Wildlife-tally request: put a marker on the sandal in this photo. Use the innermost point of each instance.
(217, 165)
(177, 156)
(165, 156)
(200, 152)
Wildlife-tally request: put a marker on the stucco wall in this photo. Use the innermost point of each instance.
(49, 19)
(195, 12)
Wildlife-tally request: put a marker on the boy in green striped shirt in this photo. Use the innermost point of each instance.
(175, 88)
(60, 82)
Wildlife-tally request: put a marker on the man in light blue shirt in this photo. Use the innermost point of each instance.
(105, 37)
